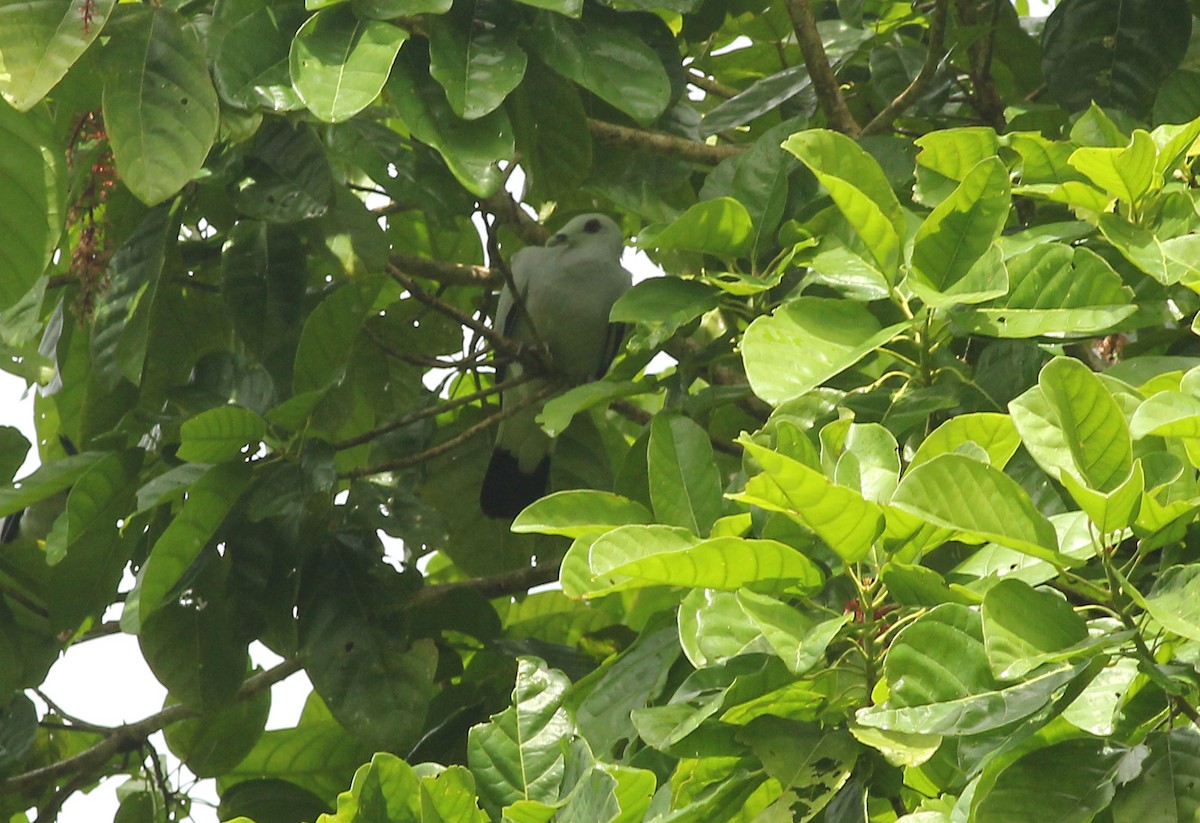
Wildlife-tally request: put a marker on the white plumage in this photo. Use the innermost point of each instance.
(568, 288)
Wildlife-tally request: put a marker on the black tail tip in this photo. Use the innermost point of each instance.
(507, 490)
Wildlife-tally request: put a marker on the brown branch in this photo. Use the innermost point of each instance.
(498, 341)
(825, 84)
(431, 411)
(132, 735)
(454, 442)
(509, 212)
(669, 145)
(501, 585)
(711, 86)
(937, 35)
(451, 274)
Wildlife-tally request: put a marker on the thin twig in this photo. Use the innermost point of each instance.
(498, 341)
(454, 442)
(825, 84)
(451, 274)
(431, 411)
(711, 86)
(501, 585)
(76, 723)
(933, 58)
(130, 736)
(666, 144)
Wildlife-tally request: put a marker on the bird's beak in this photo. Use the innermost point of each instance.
(557, 240)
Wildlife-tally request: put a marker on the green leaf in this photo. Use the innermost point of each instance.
(40, 41)
(1164, 791)
(377, 688)
(1070, 782)
(551, 132)
(286, 176)
(339, 63)
(940, 681)
(1127, 174)
(816, 762)
(48, 480)
(713, 628)
(807, 341)
(798, 642)
(196, 651)
(473, 150)
(954, 259)
(208, 502)
(1092, 423)
(666, 302)
(579, 512)
(610, 61)
(261, 800)
(724, 563)
(601, 702)
(957, 492)
(33, 177)
(1166, 414)
(220, 434)
(473, 53)
(720, 227)
(859, 188)
(209, 746)
(840, 516)
(1167, 261)
(329, 333)
(160, 107)
(953, 153)
(519, 753)
(250, 60)
(1175, 601)
(994, 433)
(1113, 55)
(1054, 290)
(1020, 624)
(685, 484)
(1111, 511)
(762, 96)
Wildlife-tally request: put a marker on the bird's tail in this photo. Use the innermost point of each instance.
(506, 489)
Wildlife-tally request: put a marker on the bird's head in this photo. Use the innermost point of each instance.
(590, 230)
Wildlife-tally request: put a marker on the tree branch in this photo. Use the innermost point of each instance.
(711, 86)
(668, 145)
(431, 411)
(454, 442)
(451, 274)
(825, 84)
(498, 341)
(937, 35)
(132, 735)
(516, 582)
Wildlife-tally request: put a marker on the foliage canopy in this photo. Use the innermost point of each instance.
(907, 531)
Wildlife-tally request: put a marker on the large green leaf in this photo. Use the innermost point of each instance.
(958, 492)
(33, 177)
(806, 342)
(220, 434)
(472, 150)
(1175, 600)
(519, 753)
(726, 563)
(39, 41)
(1167, 260)
(941, 683)
(1164, 792)
(721, 227)
(685, 484)
(859, 188)
(473, 53)
(250, 61)
(376, 687)
(797, 641)
(195, 650)
(160, 107)
(339, 63)
(208, 502)
(579, 512)
(1020, 624)
(840, 516)
(951, 262)
(1127, 174)
(1069, 782)
(1115, 54)
(994, 433)
(1092, 423)
(1054, 290)
(610, 61)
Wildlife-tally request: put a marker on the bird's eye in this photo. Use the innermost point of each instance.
(592, 226)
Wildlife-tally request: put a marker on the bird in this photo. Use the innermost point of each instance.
(567, 289)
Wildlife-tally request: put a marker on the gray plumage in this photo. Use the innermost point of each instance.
(568, 288)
